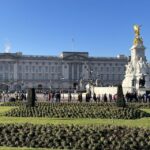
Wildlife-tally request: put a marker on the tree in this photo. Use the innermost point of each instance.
(120, 97)
(31, 97)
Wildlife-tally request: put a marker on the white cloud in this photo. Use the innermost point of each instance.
(7, 47)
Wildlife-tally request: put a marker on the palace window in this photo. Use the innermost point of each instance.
(33, 68)
(59, 69)
(20, 68)
(26, 68)
(40, 68)
(33, 76)
(20, 76)
(52, 68)
(6, 76)
(26, 76)
(46, 76)
(1, 76)
(107, 69)
(6, 67)
(11, 67)
(1, 68)
(46, 68)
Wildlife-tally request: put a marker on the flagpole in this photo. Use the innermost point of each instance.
(72, 44)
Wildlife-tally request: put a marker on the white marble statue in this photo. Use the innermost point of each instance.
(141, 67)
(129, 68)
(81, 83)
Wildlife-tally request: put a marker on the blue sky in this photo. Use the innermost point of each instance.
(46, 27)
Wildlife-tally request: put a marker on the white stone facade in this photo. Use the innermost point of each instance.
(65, 71)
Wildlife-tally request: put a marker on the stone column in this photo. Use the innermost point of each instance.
(70, 71)
(15, 71)
(75, 71)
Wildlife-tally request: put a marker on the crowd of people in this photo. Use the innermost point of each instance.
(58, 96)
(88, 97)
(6, 96)
(130, 97)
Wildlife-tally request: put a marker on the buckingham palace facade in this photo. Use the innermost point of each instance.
(18, 71)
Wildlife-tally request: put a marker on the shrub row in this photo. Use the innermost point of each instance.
(77, 111)
(103, 104)
(139, 105)
(74, 137)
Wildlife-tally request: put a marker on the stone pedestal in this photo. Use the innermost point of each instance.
(137, 75)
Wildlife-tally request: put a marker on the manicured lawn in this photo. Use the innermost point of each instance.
(144, 122)
(24, 148)
(5, 109)
(146, 110)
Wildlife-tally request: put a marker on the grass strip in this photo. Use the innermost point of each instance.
(23, 148)
(144, 122)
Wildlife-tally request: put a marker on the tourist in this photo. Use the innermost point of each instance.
(53, 96)
(80, 97)
(88, 97)
(105, 97)
(57, 96)
(49, 96)
(110, 97)
(99, 98)
(94, 97)
(69, 97)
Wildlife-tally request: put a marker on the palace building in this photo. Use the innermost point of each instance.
(69, 70)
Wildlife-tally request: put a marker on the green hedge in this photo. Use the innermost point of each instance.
(108, 104)
(74, 137)
(74, 110)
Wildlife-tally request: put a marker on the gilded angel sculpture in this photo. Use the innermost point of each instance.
(137, 30)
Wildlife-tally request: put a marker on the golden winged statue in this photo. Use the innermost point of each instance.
(137, 39)
(137, 30)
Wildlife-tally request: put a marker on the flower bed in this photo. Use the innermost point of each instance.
(75, 110)
(74, 137)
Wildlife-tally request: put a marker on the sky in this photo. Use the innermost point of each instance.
(104, 28)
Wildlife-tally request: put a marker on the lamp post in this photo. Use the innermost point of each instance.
(62, 79)
(50, 87)
(22, 84)
(91, 78)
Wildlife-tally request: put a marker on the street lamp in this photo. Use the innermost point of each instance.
(62, 86)
(22, 84)
(50, 87)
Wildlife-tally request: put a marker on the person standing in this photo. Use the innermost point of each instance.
(94, 97)
(105, 97)
(80, 97)
(49, 96)
(69, 97)
(88, 97)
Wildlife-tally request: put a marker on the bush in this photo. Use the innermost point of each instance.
(74, 137)
(120, 97)
(76, 110)
(31, 97)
